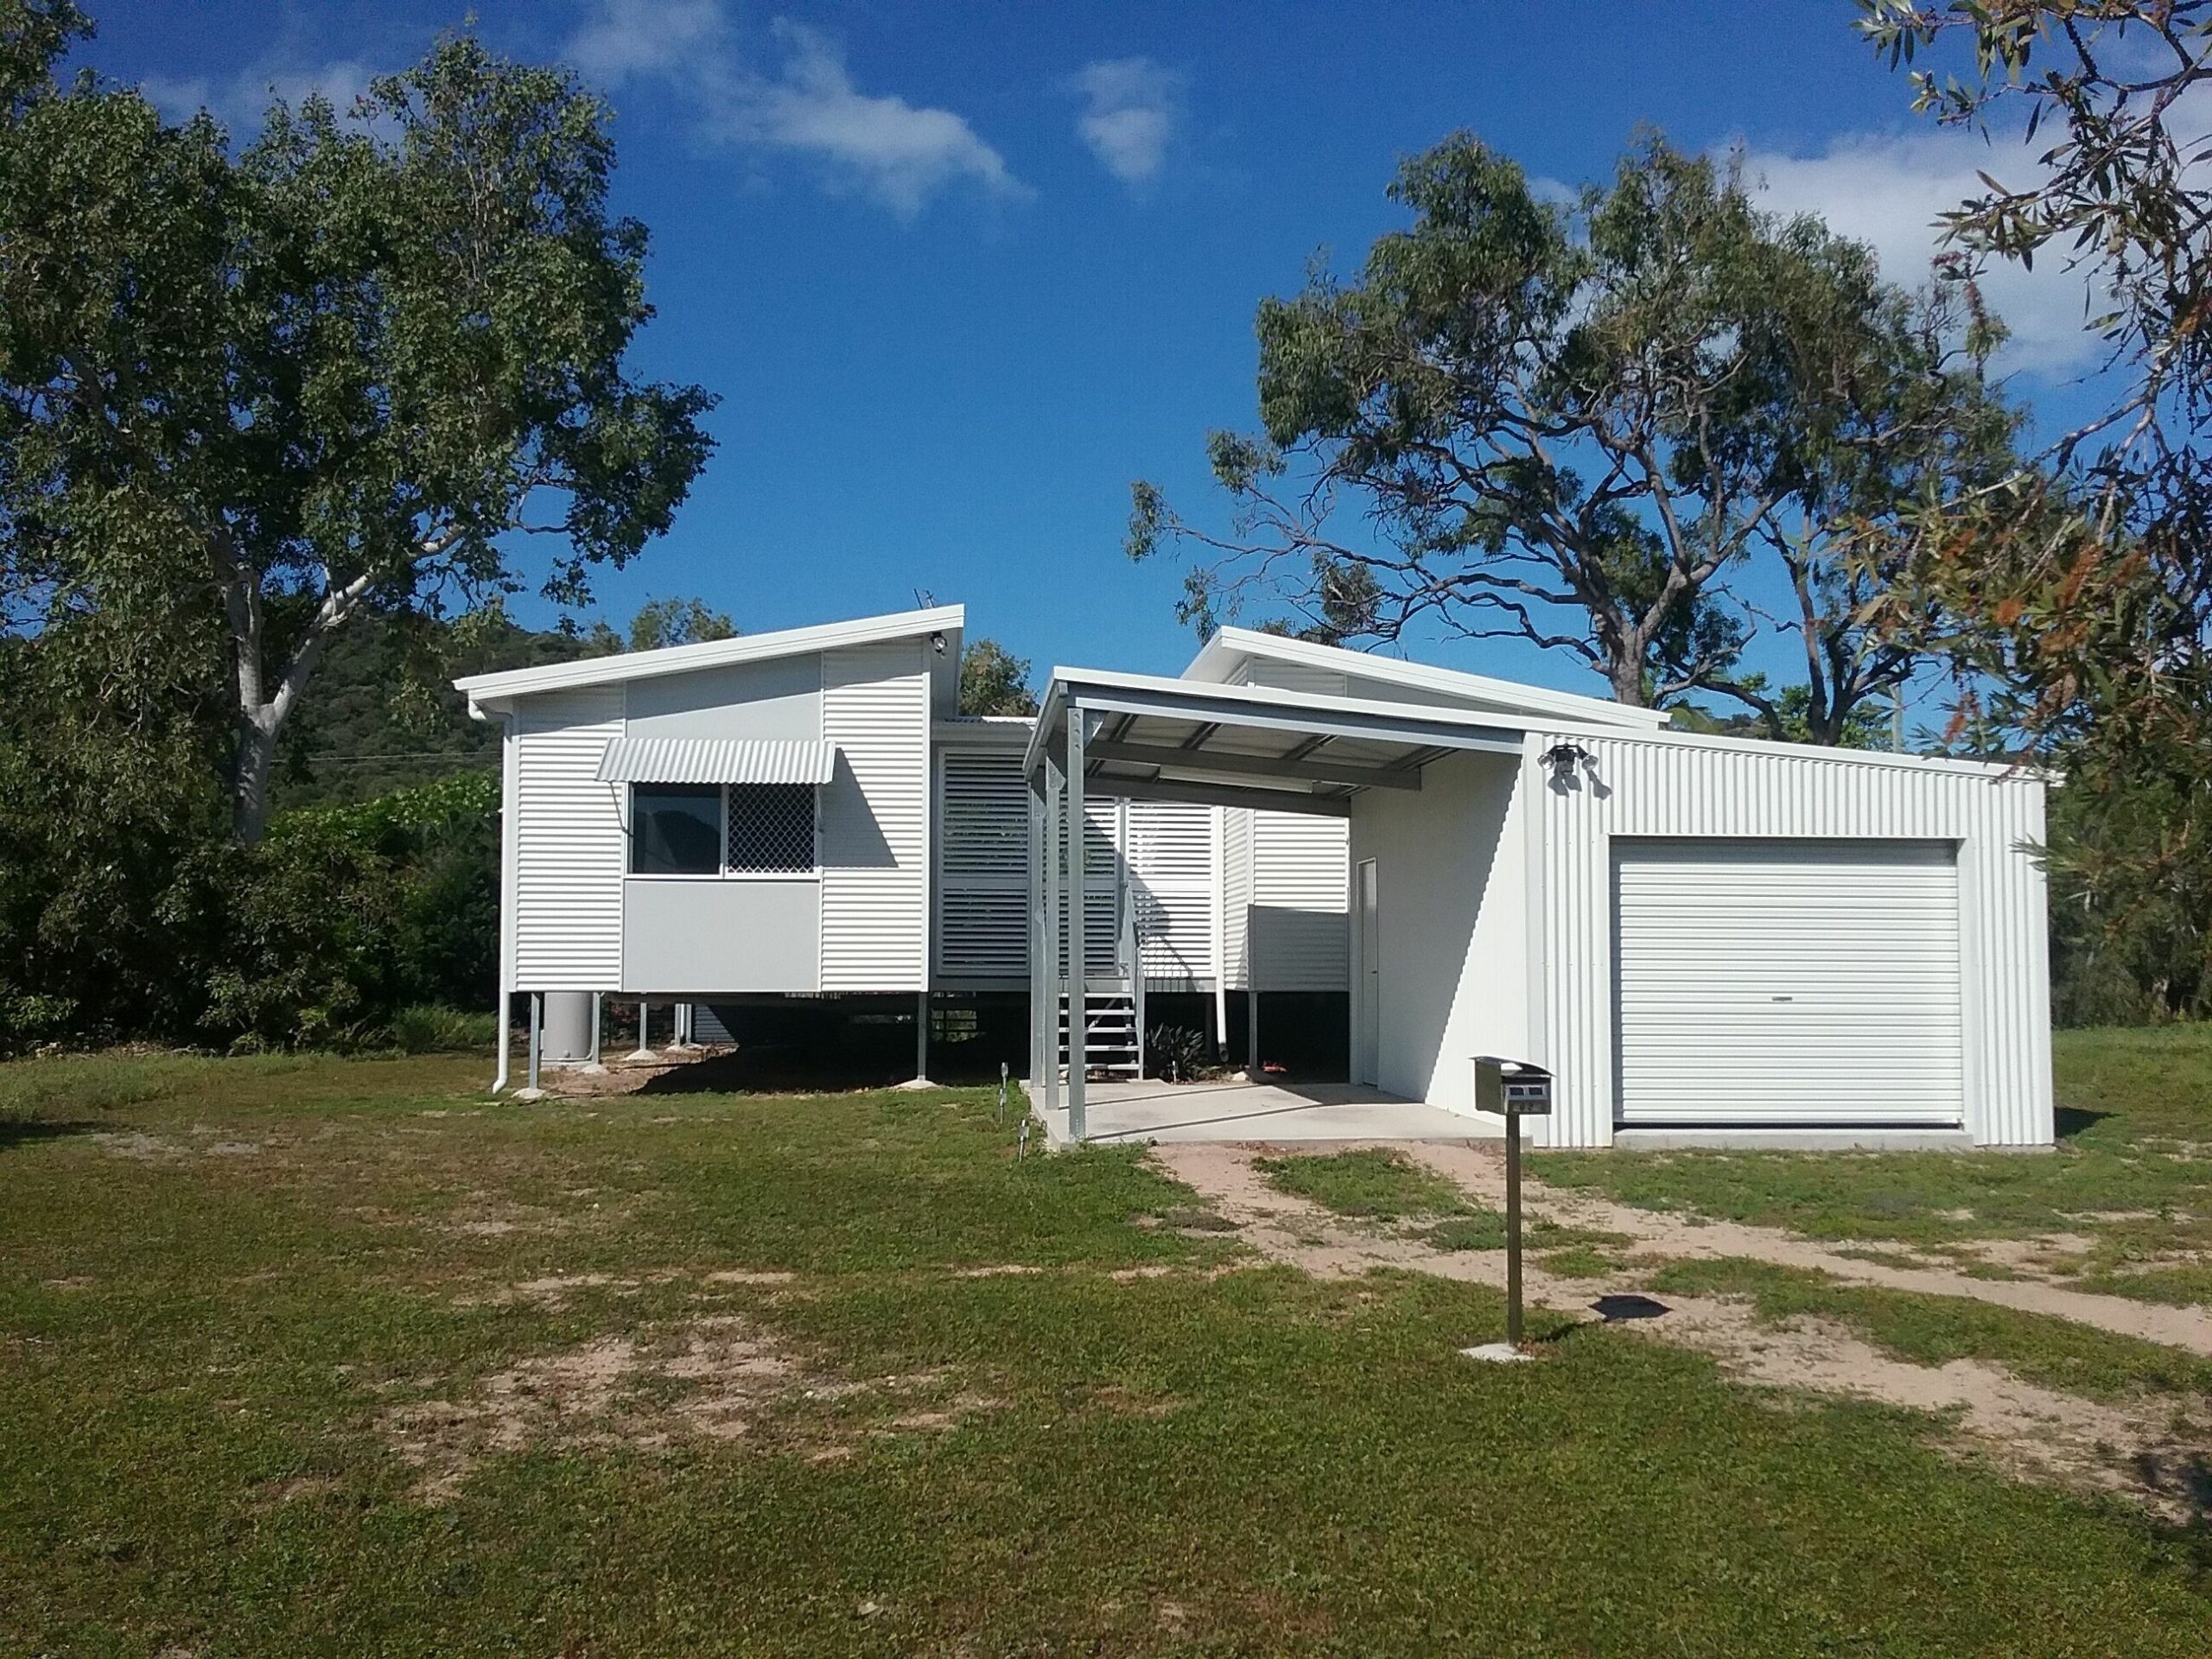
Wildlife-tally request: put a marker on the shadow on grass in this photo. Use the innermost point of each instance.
(2070, 1121)
(22, 1131)
(769, 1071)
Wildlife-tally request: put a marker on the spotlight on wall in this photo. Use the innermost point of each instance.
(1562, 759)
(936, 644)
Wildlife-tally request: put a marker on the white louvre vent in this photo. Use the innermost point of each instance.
(1171, 875)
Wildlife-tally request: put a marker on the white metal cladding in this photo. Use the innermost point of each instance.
(716, 760)
(1300, 880)
(983, 900)
(1788, 981)
(1663, 787)
(1169, 858)
(1236, 896)
(875, 818)
(1293, 676)
(570, 847)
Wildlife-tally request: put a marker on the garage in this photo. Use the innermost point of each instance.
(1788, 982)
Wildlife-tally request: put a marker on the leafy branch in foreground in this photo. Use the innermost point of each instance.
(2076, 600)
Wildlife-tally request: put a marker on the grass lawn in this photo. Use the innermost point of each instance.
(2128, 1192)
(312, 1356)
(1382, 1185)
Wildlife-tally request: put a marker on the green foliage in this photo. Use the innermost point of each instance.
(1574, 424)
(994, 681)
(344, 916)
(1178, 1053)
(660, 623)
(429, 1028)
(2076, 604)
(358, 359)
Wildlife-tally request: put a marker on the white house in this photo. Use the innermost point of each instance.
(805, 813)
(1696, 935)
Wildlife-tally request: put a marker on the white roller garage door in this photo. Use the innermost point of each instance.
(1787, 982)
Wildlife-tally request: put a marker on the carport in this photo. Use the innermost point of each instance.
(1146, 738)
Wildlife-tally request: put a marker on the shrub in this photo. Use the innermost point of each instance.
(1175, 1052)
(425, 1028)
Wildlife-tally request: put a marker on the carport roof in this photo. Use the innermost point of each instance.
(1162, 738)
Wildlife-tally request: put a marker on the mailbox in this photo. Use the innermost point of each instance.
(1515, 1086)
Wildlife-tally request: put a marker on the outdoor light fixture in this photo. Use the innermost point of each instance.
(1562, 759)
(936, 644)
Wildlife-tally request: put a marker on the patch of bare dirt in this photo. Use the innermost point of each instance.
(2031, 1431)
(719, 1378)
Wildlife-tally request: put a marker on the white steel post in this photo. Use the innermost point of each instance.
(1033, 911)
(537, 1033)
(1054, 983)
(921, 1037)
(1079, 956)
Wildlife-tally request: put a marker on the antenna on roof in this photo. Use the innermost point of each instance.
(924, 600)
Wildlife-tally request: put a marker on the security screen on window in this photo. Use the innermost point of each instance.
(676, 830)
(771, 828)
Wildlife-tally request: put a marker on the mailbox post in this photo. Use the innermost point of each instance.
(1514, 1090)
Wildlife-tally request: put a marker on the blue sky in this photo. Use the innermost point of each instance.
(961, 273)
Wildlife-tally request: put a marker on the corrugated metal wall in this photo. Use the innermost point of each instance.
(1300, 879)
(875, 818)
(570, 843)
(1662, 788)
(1236, 896)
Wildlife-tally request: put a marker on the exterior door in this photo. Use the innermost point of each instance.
(1788, 982)
(1367, 969)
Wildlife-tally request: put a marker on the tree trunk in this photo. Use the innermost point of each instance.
(1625, 674)
(257, 760)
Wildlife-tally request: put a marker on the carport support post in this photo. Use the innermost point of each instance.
(921, 1037)
(537, 1033)
(1032, 902)
(1079, 956)
(1049, 1010)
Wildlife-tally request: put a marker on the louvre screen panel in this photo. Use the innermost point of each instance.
(982, 865)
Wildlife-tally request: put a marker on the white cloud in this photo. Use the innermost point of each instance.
(239, 101)
(1130, 108)
(897, 153)
(1889, 193)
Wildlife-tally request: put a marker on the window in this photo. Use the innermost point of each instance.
(713, 830)
(771, 828)
(677, 829)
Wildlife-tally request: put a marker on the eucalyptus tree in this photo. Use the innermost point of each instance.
(1579, 423)
(367, 358)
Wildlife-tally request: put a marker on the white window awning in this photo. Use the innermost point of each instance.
(716, 760)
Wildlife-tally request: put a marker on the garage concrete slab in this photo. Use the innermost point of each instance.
(1262, 1111)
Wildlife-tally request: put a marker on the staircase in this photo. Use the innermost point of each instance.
(1113, 1005)
(1113, 1033)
